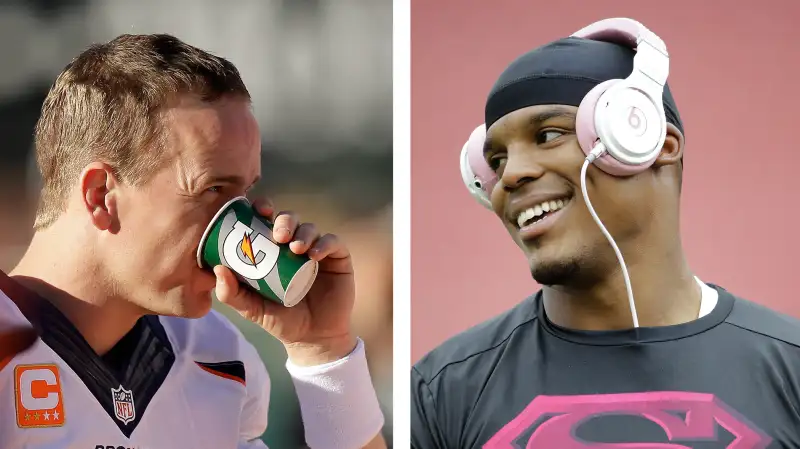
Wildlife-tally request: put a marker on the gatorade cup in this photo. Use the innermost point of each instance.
(241, 239)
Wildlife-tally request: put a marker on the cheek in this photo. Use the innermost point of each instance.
(170, 258)
(165, 238)
(619, 203)
(166, 242)
(498, 197)
(184, 236)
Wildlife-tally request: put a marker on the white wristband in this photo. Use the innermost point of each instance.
(338, 402)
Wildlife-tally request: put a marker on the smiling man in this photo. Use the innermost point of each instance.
(566, 367)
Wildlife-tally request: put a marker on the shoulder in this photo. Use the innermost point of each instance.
(763, 323)
(461, 367)
(10, 315)
(215, 341)
(215, 344)
(465, 349)
(16, 332)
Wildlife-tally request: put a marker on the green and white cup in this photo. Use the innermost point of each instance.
(241, 239)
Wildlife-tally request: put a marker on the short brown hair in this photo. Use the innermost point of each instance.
(105, 106)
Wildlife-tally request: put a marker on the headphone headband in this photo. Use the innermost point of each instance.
(630, 33)
(620, 31)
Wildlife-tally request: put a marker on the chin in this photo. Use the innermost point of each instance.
(562, 259)
(577, 267)
(193, 305)
(197, 306)
(553, 264)
(555, 272)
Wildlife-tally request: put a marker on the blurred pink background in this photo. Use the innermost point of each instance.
(734, 77)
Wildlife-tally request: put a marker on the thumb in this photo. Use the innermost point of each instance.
(265, 208)
(250, 305)
(229, 291)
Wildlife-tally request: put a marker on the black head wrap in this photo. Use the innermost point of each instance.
(563, 72)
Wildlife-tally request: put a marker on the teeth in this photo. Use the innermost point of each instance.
(531, 214)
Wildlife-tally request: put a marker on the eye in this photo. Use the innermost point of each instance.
(547, 135)
(214, 189)
(496, 161)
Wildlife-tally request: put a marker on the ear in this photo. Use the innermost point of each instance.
(98, 189)
(672, 151)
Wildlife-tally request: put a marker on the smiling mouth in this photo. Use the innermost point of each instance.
(540, 211)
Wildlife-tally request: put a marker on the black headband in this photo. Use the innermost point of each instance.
(563, 72)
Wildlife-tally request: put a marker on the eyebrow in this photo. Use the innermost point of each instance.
(536, 120)
(234, 179)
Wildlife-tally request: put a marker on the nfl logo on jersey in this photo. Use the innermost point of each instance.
(123, 404)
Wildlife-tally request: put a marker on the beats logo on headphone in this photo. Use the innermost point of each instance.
(622, 121)
(637, 121)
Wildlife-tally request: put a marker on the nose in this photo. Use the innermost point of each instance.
(521, 167)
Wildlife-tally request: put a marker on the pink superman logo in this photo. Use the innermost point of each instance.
(560, 417)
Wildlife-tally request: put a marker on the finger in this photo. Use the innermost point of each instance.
(250, 305)
(304, 237)
(228, 288)
(284, 226)
(229, 292)
(328, 246)
(265, 207)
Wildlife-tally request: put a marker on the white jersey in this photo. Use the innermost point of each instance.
(171, 383)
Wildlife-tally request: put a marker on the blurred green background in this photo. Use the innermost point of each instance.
(320, 74)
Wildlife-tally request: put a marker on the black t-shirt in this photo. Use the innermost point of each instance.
(730, 379)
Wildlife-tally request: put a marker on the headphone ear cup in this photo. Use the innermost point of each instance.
(587, 132)
(477, 175)
(584, 120)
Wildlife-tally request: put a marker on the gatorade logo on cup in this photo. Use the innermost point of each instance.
(248, 252)
(241, 239)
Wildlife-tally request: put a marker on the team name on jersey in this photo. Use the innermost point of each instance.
(111, 446)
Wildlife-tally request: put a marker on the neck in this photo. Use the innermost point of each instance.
(61, 271)
(664, 290)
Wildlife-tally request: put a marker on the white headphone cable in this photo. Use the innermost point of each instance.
(596, 152)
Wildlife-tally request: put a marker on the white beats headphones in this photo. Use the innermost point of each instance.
(621, 121)
(620, 124)
(476, 173)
